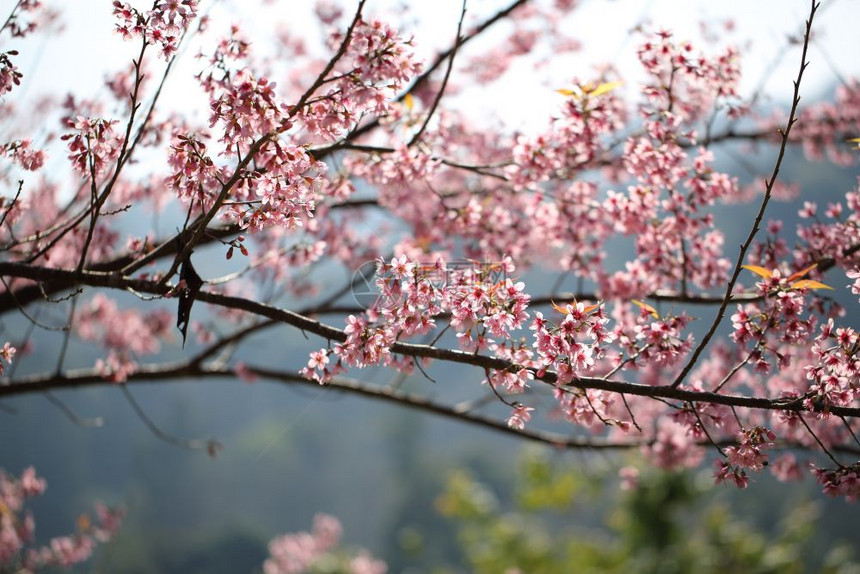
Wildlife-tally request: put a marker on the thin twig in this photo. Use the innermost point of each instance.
(705, 430)
(818, 440)
(33, 320)
(630, 412)
(149, 374)
(193, 444)
(86, 422)
(66, 336)
(13, 202)
(441, 92)
(850, 431)
(744, 362)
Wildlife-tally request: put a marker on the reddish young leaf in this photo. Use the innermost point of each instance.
(801, 273)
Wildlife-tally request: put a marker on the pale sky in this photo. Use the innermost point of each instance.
(78, 58)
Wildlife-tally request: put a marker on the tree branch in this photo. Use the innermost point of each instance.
(306, 324)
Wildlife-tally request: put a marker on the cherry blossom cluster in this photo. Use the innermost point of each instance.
(823, 127)
(844, 481)
(685, 82)
(675, 239)
(409, 296)
(672, 447)
(834, 375)
(647, 338)
(281, 192)
(28, 213)
(493, 63)
(397, 175)
(226, 59)
(7, 352)
(746, 455)
(162, 26)
(195, 177)
(575, 139)
(17, 26)
(829, 230)
(92, 144)
(377, 64)
(724, 472)
(855, 275)
(24, 154)
(125, 333)
(700, 419)
(777, 323)
(9, 74)
(571, 346)
(589, 408)
(365, 345)
(286, 181)
(317, 549)
(17, 529)
(573, 230)
(663, 342)
(578, 346)
(520, 415)
(532, 24)
(485, 303)
(486, 308)
(247, 108)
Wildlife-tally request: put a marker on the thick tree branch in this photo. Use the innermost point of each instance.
(306, 324)
(159, 373)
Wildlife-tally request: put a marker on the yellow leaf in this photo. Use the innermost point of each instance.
(760, 271)
(642, 305)
(801, 273)
(589, 89)
(407, 99)
(603, 88)
(810, 284)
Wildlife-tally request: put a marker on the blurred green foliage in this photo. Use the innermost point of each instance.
(665, 525)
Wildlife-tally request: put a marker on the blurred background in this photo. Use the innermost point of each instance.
(426, 495)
